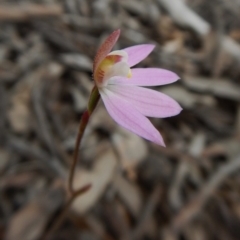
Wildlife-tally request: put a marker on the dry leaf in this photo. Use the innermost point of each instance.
(129, 193)
(29, 222)
(99, 177)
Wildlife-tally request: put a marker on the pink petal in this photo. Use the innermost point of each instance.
(137, 53)
(147, 77)
(148, 102)
(128, 117)
(105, 48)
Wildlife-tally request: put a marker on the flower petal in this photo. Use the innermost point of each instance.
(105, 48)
(137, 53)
(128, 117)
(147, 101)
(147, 77)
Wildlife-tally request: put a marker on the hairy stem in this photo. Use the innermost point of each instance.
(92, 103)
(81, 130)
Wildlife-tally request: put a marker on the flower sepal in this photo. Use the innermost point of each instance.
(93, 100)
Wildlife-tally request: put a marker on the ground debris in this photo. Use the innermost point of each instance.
(186, 191)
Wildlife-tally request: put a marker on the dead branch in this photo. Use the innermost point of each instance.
(26, 12)
(193, 208)
(186, 17)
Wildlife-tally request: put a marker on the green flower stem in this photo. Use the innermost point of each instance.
(93, 100)
(92, 103)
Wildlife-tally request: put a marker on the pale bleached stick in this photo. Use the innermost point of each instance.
(23, 12)
(186, 17)
(194, 207)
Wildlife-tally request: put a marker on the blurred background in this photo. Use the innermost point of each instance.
(189, 190)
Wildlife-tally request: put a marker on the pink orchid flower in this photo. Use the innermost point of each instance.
(121, 88)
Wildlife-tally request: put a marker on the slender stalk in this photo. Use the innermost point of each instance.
(63, 214)
(81, 130)
(92, 103)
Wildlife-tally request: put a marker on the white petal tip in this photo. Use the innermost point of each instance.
(162, 144)
(177, 77)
